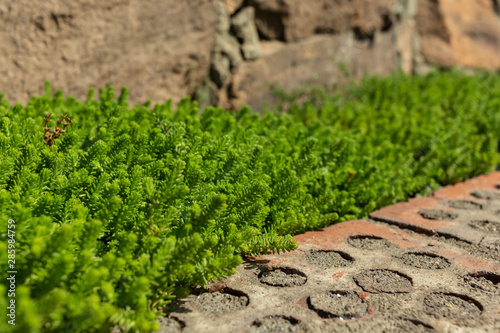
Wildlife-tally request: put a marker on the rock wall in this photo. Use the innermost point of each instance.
(229, 52)
(159, 49)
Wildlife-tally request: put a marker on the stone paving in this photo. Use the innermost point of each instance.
(427, 265)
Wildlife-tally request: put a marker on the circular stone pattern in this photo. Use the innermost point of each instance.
(484, 281)
(283, 277)
(425, 260)
(337, 304)
(485, 194)
(460, 310)
(278, 324)
(383, 281)
(369, 242)
(486, 225)
(169, 325)
(328, 259)
(437, 215)
(217, 302)
(463, 204)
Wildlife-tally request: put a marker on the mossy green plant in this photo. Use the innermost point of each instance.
(133, 206)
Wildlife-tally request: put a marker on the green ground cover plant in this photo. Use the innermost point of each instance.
(130, 207)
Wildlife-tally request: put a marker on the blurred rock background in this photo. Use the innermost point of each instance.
(228, 53)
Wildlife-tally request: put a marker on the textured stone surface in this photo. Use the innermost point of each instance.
(434, 35)
(459, 33)
(291, 20)
(405, 32)
(314, 60)
(405, 49)
(233, 5)
(244, 27)
(419, 280)
(474, 29)
(167, 49)
(159, 49)
(226, 49)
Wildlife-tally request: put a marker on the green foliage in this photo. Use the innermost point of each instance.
(132, 207)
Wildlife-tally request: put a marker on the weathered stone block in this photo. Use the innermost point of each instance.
(474, 29)
(459, 33)
(159, 49)
(292, 20)
(314, 60)
(244, 27)
(226, 52)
